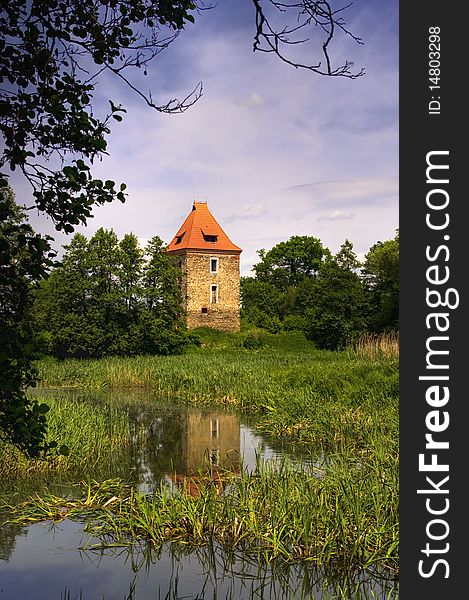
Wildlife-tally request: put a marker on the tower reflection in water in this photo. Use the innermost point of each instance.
(211, 448)
(180, 449)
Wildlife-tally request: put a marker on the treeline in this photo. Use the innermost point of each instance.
(113, 297)
(299, 284)
(109, 297)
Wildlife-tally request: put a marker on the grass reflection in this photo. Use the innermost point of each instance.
(231, 575)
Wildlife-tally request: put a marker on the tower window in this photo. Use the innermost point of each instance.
(214, 428)
(178, 239)
(204, 310)
(214, 265)
(213, 294)
(210, 234)
(210, 238)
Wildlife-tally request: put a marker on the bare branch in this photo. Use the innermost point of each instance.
(305, 14)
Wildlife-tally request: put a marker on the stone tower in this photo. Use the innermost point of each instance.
(210, 264)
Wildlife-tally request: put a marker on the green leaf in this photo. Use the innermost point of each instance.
(82, 166)
(69, 172)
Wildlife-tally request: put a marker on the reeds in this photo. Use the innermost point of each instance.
(93, 433)
(320, 396)
(375, 346)
(343, 403)
(347, 518)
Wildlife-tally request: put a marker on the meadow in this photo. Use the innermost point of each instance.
(340, 398)
(343, 405)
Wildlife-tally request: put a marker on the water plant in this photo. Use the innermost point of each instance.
(374, 346)
(346, 518)
(95, 435)
(320, 396)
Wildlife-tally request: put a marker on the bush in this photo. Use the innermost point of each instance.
(294, 322)
(252, 341)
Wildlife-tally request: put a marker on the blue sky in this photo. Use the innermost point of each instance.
(275, 151)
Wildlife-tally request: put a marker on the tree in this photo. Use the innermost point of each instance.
(63, 305)
(106, 304)
(261, 303)
(163, 331)
(336, 309)
(160, 281)
(305, 15)
(24, 258)
(53, 53)
(288, 263)
(300, 285)
(270, 299)
(110, 297)
(381, 274)
(130, 271)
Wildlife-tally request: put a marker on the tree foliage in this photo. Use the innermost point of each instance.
(24, 259)
(288, 263)
(51, 56)
(381, 272)
(337, 308)
(299, 284)
(110, 297)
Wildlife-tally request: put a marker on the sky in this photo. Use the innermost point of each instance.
(275, 151)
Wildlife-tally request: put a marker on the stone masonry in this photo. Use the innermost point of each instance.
(203, 307)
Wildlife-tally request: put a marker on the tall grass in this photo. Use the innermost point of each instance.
(317, 396)
(373, 346)
(94, 434)
(346, 519)
(345, 403)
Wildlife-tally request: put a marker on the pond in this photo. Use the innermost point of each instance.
(170, 445)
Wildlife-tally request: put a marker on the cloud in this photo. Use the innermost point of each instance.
(346, 193)
(247, 212)
(335, 215)
(256, 100)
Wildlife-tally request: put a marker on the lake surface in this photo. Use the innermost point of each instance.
(169, 444)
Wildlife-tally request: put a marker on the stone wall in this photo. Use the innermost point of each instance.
(197, 283)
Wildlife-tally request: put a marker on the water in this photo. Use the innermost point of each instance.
(170, 444)
(51, 562)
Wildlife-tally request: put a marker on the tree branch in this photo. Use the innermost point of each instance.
(306, 14)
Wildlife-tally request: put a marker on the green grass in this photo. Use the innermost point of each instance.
(95, 435)
(339, 404)
(320, 397)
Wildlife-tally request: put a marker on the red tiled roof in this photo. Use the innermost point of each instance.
(201, 231)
